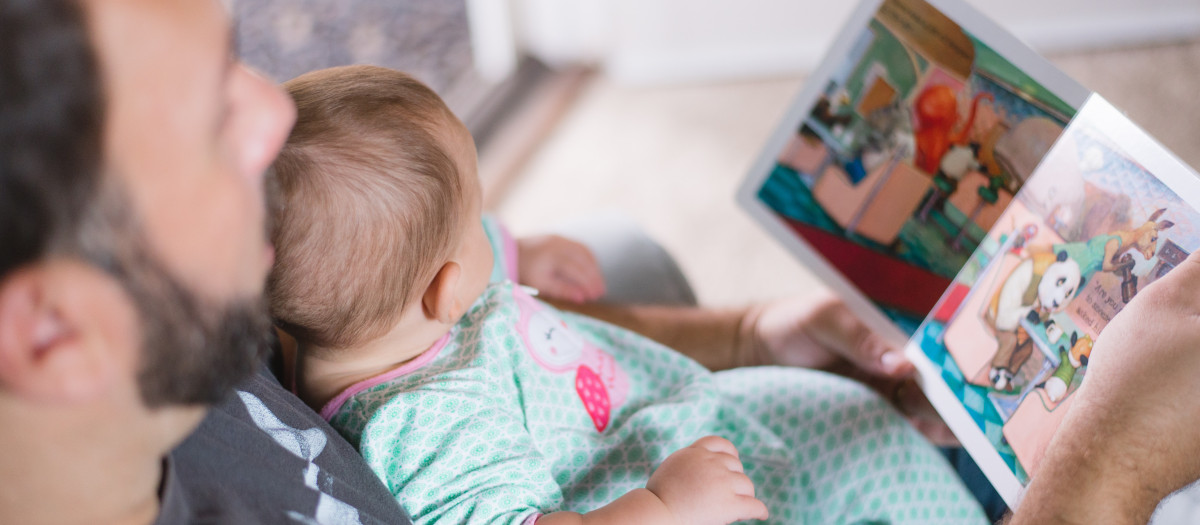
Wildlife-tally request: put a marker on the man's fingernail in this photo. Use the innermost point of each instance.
(891, 360)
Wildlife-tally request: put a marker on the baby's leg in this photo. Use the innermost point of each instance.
(853, 458)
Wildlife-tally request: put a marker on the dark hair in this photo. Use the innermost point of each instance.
(53, 201)
(51, 120)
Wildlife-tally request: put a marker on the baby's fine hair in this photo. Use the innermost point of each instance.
(367, 203)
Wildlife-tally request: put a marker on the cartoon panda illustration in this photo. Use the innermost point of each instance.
(1038, 286)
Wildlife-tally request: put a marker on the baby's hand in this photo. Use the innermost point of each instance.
(559, 268)
(705, 483)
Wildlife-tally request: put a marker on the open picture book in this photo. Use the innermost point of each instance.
(976, 206)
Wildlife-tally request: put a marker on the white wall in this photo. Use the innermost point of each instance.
(493, 42)
(666, 41)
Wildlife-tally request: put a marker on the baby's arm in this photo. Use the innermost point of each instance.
(701, 484)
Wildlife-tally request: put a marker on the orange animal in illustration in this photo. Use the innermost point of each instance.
(936, 110)
(1069, 362)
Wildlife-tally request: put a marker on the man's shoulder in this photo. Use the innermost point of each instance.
(263, 456)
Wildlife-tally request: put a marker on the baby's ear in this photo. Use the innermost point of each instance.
(440, 300)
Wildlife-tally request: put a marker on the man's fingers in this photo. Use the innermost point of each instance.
(936, 431)
(911, 402)
(888, 360)
(924, 417)
(874, 355)
(839, 330)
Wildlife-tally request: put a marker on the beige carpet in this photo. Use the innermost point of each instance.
(672, 158)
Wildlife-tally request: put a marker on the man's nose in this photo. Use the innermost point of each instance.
(269, 116)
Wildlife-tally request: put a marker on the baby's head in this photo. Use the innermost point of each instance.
(377, 217)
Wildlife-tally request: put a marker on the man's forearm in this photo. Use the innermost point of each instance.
(1085, 479)
(713, 337)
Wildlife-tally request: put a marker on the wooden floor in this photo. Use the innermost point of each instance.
(672, 157)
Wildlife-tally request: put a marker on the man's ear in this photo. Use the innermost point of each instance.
(440, 301)
(56, 346)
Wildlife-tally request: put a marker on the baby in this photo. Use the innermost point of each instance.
(475, 402)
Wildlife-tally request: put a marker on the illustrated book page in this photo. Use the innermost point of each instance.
(1106, 213)
(902, 151)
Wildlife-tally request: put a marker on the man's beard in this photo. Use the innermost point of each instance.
(193, 351)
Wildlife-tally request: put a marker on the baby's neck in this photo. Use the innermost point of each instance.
(321, 374)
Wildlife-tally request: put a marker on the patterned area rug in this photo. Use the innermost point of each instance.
(429, 39)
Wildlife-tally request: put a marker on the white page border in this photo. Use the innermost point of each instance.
(1021, 56)
(1096, 116)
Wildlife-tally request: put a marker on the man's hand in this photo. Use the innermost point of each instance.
(1130, 437)
(559, 268)
(822, 333)
(705, 483)
(1144, 376)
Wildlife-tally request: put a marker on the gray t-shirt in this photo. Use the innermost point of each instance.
(262, 456)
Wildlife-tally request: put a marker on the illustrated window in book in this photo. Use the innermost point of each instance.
(972, 203)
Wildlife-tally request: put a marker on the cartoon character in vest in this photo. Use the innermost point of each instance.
(1039, 285)
(1069, 363)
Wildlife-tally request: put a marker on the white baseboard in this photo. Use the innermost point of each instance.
(1127, 29)
(799, 55)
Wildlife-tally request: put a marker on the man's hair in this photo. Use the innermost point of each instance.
(51, 122)
(369, 203)
(57, 201)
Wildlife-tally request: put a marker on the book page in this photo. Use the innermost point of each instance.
(903, 150)
(1107, 213)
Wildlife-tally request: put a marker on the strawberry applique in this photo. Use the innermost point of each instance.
(594, 396)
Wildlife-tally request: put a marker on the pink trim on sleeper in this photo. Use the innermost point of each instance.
(510, 252)
(532, 519)
(331, 408)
